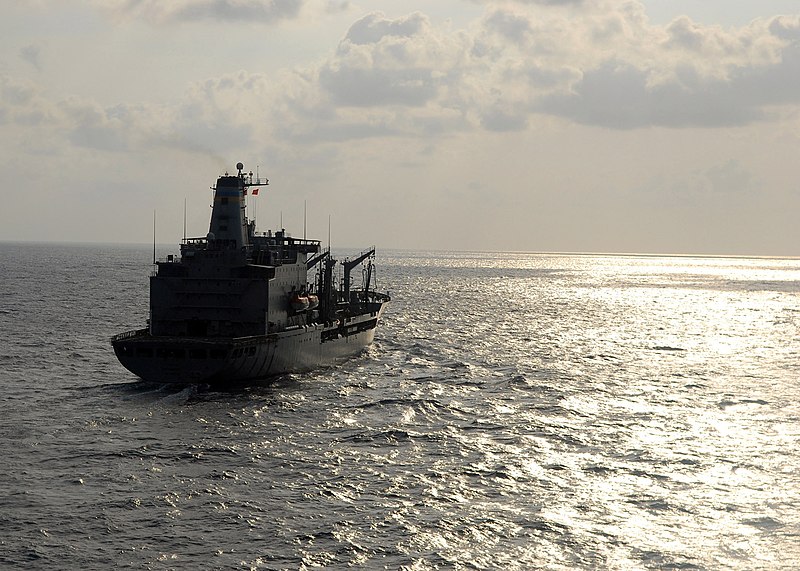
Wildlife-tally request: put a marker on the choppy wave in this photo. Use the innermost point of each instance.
(516, 412)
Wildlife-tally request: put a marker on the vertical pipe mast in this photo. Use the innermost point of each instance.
(154, 237)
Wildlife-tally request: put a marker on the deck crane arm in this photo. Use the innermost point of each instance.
(349, 265)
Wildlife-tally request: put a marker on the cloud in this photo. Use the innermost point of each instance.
(604, 65)
(81, 122)
(731, 178)
(337, 6)
(785, 27)
(624, 96)
(32, 55)
(385, 62)
(553, 2)
(720, 183)
(93, 127)
(541, 2)
(513, 26)
(611, 68)
(597, 62)
(220, 113)
(352, 86)
(618, 96)
(373, 28)
(177, 11)
(499, 120)
(22, 103)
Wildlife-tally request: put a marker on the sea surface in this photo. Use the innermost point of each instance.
(517, 411)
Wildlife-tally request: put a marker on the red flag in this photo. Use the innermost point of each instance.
(255, 191)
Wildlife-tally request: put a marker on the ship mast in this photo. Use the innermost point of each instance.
(228, 227)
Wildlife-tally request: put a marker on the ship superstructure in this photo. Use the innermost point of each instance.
(239, 305)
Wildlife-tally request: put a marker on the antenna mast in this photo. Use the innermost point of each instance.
(154, 237)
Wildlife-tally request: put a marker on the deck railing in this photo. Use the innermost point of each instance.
(129, 334)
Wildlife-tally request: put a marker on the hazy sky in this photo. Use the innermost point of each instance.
(669, 126)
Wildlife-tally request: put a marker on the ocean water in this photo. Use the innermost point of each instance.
(517, 411)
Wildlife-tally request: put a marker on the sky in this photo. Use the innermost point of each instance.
(648, 126)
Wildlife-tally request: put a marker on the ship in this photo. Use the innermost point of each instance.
(239, 305)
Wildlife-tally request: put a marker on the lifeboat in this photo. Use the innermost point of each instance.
(298, 301)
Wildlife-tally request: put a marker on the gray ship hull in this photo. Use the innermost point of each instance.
(186, 360)
(238, 305)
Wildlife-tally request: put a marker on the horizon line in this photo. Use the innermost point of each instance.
(450, 250)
